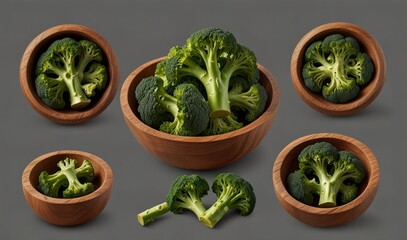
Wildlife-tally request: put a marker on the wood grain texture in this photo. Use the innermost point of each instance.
(29, 60)
(67, 212)
(366, 95)
(286, 162)
(199, 153)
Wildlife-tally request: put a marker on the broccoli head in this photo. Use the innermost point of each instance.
(213, 56)
(185, 194)
(252, 102)
(188, 108)
(233, 192)
(70, 66)
(67, 180)
(327, 173)
(336, 67)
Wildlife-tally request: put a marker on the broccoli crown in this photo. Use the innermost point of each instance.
(301, 188)
(336, 67)
(67, 179)
(71, 64)
(190, 113)
(213, 56)
(326, 172)
(233, 192)
(252, 102)
(186, 193)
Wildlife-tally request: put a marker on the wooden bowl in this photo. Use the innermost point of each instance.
(202, 152)
(73, 211)
(287, 162)
(367, 93)
(29, 60)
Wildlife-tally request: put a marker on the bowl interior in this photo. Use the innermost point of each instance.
(149, 70)
(290, 162)
(49, 164)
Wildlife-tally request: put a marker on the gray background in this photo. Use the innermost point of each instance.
(143, 30)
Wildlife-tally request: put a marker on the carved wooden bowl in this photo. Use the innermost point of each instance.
(367, 93)
(29, 60)
(202, 152)
(286, 162)
(73, 211)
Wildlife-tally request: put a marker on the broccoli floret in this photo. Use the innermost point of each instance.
(189, 110)
(185, 194)
(95, 78)
(222, 125)
(67, 179)
(336, 67)
(213, 56)
(67, 61)
(233, 192)
(252, 102)
(325, 172)
(301, 188)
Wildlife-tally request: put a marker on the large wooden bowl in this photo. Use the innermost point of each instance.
(287, 162)
(67, 212)
(206, 152)
(29, 60)
(367, 94)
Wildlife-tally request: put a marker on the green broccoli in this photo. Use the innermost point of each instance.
(73, 67)
(336, 67)
(190, 113)
(222, 125)
(252, 102)
(67, 180)
(185, 193)
(327, 173)
(213, 56)
(233, 192)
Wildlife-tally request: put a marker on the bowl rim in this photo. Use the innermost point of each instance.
(318, 102)
(270, 111)
(104, 187)
(69, 116)
(371, 185)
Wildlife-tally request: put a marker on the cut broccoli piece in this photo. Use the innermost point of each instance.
(213, 56)
(327, 173)
(67, 179)
(188, 108)
(64, 66)
(251, 102)
(336, 67)
(185, 194)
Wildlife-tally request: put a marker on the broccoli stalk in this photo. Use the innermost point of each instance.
(233, 192)
(213, 56)
(67, 178)
(325, 172)
(185, 193)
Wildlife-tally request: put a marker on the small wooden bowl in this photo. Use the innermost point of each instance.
(29, 60)
(287, 162)
(367, 93)
(67, 212)
(202, 152)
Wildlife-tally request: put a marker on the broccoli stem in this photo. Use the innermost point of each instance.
(153, 213)
(78, 98)
(216, 212)
(194, 204)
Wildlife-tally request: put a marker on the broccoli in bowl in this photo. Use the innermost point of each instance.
(70, 73)
(337, 68)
